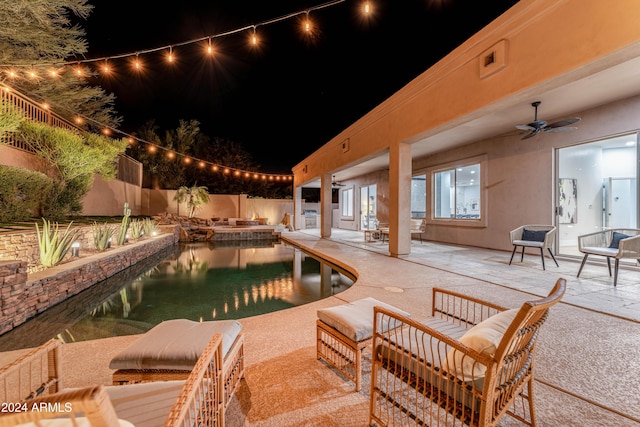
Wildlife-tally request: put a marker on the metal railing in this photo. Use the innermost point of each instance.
(128, 169)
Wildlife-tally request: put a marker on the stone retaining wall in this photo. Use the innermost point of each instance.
(23, 295)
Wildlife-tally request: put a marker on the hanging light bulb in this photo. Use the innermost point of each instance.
(210, 49)
(306, 24)
(137, 65)
(254, 37)
(366, 7)
(170, 57)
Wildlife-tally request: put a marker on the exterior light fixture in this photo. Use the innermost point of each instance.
(75, 249)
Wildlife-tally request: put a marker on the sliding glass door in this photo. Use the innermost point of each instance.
(597, 189)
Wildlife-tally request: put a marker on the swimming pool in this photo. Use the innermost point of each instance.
(197, 281)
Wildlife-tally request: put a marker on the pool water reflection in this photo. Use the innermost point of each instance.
(198, 281)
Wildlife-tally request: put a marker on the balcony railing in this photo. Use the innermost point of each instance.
(129, 169)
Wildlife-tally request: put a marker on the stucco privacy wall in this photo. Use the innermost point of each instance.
(452, 92)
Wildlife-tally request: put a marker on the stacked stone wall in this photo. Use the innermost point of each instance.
(24, 295)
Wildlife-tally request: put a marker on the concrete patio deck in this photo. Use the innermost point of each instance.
(588, 354)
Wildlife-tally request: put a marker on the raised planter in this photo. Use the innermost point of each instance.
(22, 295)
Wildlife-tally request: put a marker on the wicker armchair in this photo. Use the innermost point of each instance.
(617, 243)
(533, 236)
(33, 381)
(469, 364)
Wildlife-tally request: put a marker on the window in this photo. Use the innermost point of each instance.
(456, 193)
(347, 203)
(419, 196)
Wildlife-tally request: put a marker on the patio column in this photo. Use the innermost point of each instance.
(297, 208)
(400, 168)
(326, 211)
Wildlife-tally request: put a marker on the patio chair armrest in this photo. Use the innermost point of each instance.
(91, 403)
(34, 373)
(516, 234)
(461, 310)
(596, 239)
(629, 247)
(201, 400)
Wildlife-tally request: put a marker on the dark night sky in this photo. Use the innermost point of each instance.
(294, 94)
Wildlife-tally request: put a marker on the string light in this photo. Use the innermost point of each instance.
(307, 24)
(254, 38)
(137, 65)
(366, 7)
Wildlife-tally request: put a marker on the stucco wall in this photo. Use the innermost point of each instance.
(521, 180)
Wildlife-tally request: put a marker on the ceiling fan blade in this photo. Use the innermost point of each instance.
(562, 123)
(525, 127)
(560, 129)
(531, 135)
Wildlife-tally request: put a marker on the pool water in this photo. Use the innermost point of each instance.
(196, 281)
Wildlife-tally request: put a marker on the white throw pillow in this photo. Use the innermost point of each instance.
(484, 337)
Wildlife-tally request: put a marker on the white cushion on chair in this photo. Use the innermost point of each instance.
(485, 338)
(145, 404)
(355, 320)
(175, 344)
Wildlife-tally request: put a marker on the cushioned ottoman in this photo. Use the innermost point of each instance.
(170, 350)
(342, 332)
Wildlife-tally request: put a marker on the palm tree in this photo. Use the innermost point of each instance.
(195, 197)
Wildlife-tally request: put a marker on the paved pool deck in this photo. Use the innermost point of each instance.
(588, 353)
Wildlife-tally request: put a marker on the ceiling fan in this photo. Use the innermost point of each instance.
(335, 183)
(537, 126)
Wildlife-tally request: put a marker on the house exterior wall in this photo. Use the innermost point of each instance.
(542, 45)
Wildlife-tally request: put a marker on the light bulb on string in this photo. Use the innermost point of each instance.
(254, 38)
(306, 24)
(170, 56)
(78, 70)
(210, 48)
(137, 65)
(105, 67)
(366, 7)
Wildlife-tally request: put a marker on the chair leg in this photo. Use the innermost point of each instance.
(553, 257)
(584, 260)
(542, 257)
(609, 265)
(532, 410)
(513, 253)
(522, 255)
(615, 275)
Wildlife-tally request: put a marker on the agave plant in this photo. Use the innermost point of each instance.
(136, 229)
(53, 245)
(102, 235)
(150, 227)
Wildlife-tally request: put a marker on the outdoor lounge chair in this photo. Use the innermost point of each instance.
(615, 243)
(170, 350)
(533, 236)
(469, 364)
(33, 384)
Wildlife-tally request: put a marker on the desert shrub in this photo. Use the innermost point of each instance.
(23, 193)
